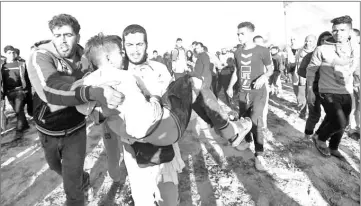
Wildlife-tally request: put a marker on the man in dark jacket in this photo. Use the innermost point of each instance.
(53, 67)
(16, 86)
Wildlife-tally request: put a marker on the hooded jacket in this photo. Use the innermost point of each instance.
(52, 77)
(336, 64)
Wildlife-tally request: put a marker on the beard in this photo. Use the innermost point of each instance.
(141, 61)
(65, 51)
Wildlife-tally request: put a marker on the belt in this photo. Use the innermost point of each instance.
(62, 132)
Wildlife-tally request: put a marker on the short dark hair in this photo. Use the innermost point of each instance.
(98, 44)
(257, 37)
(135, 28)
(194, 43)
(342, 20)
(17, 51)
(179, 39)
(356, 31)
(205, 49)
(247, 24)
(322, 35)
(9, 47)
(200, 43)
(155, 51)
(62, 20)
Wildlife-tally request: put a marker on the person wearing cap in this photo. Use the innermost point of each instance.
(16, 84)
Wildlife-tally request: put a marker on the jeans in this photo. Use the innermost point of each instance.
(17, 102)
(66, 155)
(214, 84)
(314, 114)
(252, 104)
(338, 108)
(114, 150)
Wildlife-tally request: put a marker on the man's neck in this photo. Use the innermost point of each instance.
(249, 45)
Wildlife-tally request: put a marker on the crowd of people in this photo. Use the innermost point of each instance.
(144, 104)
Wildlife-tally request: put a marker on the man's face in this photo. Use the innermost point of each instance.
(155, 54)
(115, 57)
(179, 43)
(274, 51)
(199, 48)
(10, 55)
(259, 41)
(135, 47)
(244, 35)
(293, 41)
(310, 42)
(341, 32)
(65, 40)
(224, 51)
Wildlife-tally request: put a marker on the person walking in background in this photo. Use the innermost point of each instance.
(314, 110)
(275, 79)
(16, 85)
(190, 60)
(179, 59)
(300, 88)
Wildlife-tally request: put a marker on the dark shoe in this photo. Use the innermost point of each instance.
(19, 135)
(321, 146)
(337, 154)
(244, 126)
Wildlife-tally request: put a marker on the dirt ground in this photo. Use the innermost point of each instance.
(215, 173)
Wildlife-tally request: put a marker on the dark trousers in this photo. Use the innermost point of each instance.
(252, 104)
(223, 82)
(17, 102)
(338, 108)
(314, 114)
(66, 155)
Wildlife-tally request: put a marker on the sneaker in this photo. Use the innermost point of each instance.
(321, 146)
(243, 146)
(337, 154)
(260, 163)
(244, 125)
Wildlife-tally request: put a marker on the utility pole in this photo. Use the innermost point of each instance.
(285, 5)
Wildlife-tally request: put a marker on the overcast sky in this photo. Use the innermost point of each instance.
(213, 23)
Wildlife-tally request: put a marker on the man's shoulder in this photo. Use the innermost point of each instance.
(156, 64)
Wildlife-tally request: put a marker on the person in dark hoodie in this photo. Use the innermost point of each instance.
(157, 57)
(314, 110)
(53, 66)
(16, 86)
(336, 62)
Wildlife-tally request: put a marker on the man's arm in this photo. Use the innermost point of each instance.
(267, 61)
(313, 67)
(50, 85)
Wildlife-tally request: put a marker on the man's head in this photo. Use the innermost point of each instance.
(224, 50)
(135, 43)
(155, 53)
(310, 42)
(194, 44)
(245, 32)
(10, 53)
(103, 50)
(199, 47)
(274, 50)
(179, 42)
(17, 53)
(65, 29)
(323, 37)
(355, 36)
(258, 40)
(341, 28)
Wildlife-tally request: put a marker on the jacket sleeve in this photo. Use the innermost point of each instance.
(50, 85)
(303, 65)
(314, 65)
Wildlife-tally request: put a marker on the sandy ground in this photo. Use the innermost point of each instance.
(215, 173)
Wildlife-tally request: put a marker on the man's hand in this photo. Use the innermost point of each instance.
(230, 92)
(107, 96)
(260, 82)
(311, 97)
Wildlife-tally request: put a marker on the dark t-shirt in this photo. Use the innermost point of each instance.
(251, 65)
(11, 75)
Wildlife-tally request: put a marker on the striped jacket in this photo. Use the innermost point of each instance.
(54, 101)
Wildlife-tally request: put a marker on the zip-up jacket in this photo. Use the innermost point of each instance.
(54, 101)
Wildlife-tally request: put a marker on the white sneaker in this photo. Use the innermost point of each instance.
(260, 163)
(243, 146)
